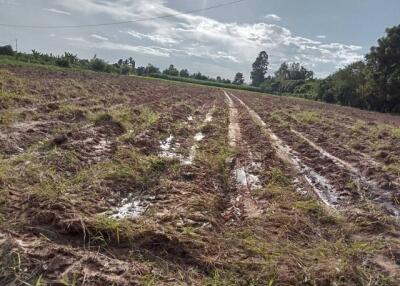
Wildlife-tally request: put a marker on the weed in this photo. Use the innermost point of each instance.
(217, 162)
(148, 117)
(393, 168)
(277, 177)
(309, 117)
(9, 116)
(310, 207)
(358, 126)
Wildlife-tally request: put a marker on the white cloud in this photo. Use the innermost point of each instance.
(164, 40)
(273, 17)
(154, 51)
(98, 37)
(56, 11)
(220, 42)
(321, 37)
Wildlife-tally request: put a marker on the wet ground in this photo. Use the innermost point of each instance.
(114, 180)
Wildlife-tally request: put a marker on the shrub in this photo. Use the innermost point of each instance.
(63, 62)
(6, 50)
(98, 65)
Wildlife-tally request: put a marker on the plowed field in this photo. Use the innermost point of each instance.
(117, 180)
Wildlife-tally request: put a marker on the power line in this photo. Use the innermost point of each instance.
(122, 22)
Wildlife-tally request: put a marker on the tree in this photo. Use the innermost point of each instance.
(6, 50)
(184, 73)
(283, 72)
(132, 63)
(260, 68)
(239, 79)
(199, 76)
(384, 70)
(172, 71)
(141, 71)
(293, 71)
(150, 69)
(97, 64)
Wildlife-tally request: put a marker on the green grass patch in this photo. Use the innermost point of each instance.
(309, 117)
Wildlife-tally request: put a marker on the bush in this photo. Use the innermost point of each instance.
(63, 62)
(98, 65)
(6, 50)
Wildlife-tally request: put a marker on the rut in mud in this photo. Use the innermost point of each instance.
(112, 180)
(323, 186)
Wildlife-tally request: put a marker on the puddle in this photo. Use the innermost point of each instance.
(325, 191)
(379, 195)
(192, 154)
(131, 208)
(241, 177)
(103, 145)
(166, 145)
(169, 150)
(199, 136)
(209, 115)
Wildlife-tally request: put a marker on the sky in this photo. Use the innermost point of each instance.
(322, 35)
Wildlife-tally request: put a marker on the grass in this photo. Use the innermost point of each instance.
(393, 168)
(185, 237)
(309, 117)
(358, 126)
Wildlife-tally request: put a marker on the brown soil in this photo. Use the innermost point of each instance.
(115, 180)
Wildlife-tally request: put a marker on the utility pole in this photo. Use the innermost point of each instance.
(16, 45)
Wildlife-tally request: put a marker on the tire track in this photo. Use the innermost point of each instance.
(375, 193)
(242, 202)
(321, 185)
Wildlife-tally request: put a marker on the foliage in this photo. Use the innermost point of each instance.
(6, 50)
(207, 82)
(239, 79)
(293, 71)
(260, 68)
(171, 71)
(184, 73)
(383, 71)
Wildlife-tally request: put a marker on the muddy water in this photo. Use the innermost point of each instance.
(242, 203)
(325, 191)
(377, 194)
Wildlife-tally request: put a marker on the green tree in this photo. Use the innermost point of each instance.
(184, 73)
(260, 68)
(150, 69)
(239, 79)
(171, 70)
(97, 64)
(384, 70)
(293, 71)
(6, 50)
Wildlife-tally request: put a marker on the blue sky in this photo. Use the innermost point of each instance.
(322, 35)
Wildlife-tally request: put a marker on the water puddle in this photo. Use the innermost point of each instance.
(198, 137)
(325, 191)
(209, 115)
(241, 176)
(169, 149)
(379, 195)
(131, 208)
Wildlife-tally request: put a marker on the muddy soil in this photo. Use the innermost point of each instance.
(116, 180)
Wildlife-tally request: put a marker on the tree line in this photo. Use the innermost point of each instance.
(372, 84)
